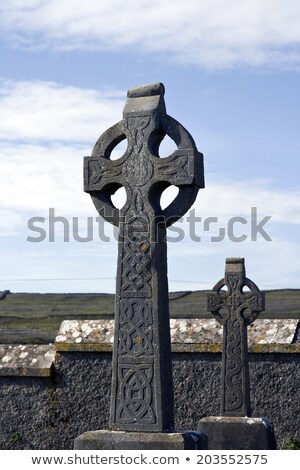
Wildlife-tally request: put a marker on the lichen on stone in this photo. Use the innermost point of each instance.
(32, 360)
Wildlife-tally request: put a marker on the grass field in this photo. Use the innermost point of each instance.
(35, 318)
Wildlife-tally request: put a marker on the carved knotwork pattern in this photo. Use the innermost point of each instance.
(136, 394)
(177, 168)
(254, 302)
(233, 374)
(138, 171)
(136, 126)
(136, 275)
(235, 298)
(213, 301)
(138, 167)
(136, 263)
(136, 328)
(97, 171)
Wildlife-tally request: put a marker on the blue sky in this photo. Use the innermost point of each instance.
(231, 71)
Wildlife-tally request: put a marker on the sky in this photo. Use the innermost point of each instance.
(231, 70)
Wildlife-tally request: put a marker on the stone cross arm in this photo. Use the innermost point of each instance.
(177, 169)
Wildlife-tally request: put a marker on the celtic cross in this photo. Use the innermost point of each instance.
(142, 390)
(235, 310)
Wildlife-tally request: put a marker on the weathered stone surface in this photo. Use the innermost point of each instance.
(85, 332)
(238, 433)
(121, 440)
(82, 335)
(142, 390)
(30, 360)
(235, 309)
(41, 358)
(50, 412)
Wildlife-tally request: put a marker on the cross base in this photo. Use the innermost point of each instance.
(238, 433)
(123, 440)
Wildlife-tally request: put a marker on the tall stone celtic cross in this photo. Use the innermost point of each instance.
(235, 310)
(142, 390)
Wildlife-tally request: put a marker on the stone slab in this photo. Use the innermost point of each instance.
(83, 334)
(26, 360)
(232, 433)
(122, 440)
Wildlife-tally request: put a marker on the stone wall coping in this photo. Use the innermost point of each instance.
(14, 365)
(26, 360)
(187, 336)
(76, 334)
(184, 348)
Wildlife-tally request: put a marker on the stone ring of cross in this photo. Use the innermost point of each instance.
(141, 171)
(229, 295)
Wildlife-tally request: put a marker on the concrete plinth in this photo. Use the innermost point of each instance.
(123, 440)
(238, 433)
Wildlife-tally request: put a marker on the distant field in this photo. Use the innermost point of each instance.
(35, 318)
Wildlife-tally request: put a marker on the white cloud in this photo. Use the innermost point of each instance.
(229, 198)
(35, 177)
(10, 221)
(37, 110)
(232, 198)
(45, 130)
(214, 34)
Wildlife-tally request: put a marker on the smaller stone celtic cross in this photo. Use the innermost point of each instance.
(235, 309)
(142, 390)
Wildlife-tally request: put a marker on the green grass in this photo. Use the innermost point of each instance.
(35, 318)
(292, 444)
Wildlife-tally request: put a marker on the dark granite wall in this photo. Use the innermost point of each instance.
(48, 413)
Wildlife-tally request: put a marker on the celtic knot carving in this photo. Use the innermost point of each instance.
(136, 275)
(136, 394)
(176, 167)
(234, 299)
(233, 379)
(136, 127)
(213, 302)
(136, 327)
(97, 172)
(136, 263)
(138, 171)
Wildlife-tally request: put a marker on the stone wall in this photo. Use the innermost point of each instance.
(52, 394)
